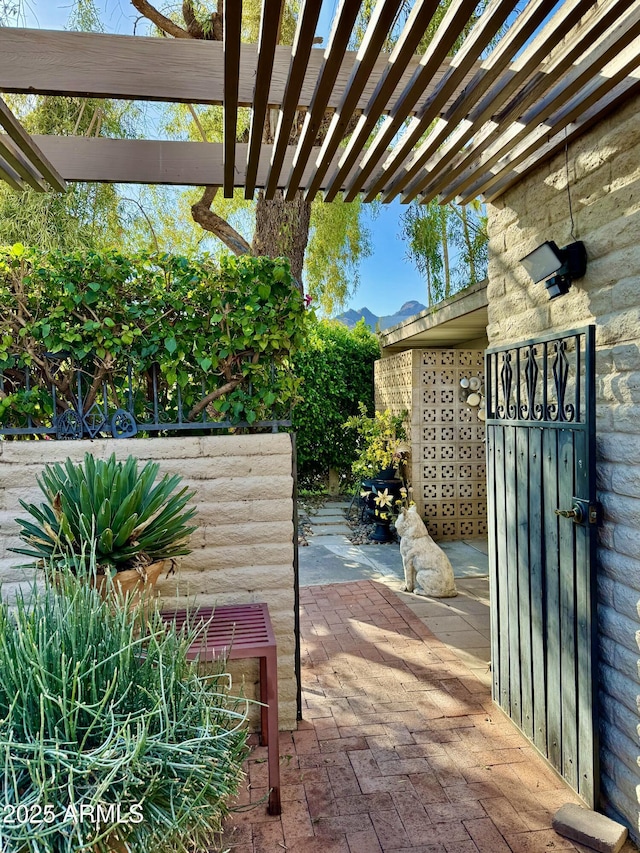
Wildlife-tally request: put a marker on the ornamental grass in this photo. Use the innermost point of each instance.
(109, 738)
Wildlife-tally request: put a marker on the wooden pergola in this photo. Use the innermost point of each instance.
(518, 89)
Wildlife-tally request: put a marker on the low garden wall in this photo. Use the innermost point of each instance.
(243, 549)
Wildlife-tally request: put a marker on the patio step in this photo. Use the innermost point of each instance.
(332, 528)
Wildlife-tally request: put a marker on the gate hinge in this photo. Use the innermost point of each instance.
(591, 510)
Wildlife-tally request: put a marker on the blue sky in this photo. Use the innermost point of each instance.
(387, 279)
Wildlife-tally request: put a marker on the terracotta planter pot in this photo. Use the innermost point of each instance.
(138, 586)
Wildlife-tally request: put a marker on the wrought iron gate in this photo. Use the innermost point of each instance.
(542, 534)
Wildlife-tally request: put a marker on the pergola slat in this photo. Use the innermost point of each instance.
(269, 30)
(145, 161)
(524, 27)
(30, 151)
(617, 97)
(334, 55)
(374, 38)
(231, 43)
(559, 62)
(301, 50)
(448, 32)
(480, 36)
(403, 52)
(496, 141)
(624, 66)
(13, 158)
(10, 177)
(470, 112)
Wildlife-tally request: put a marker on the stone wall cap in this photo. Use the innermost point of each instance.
(590, 828)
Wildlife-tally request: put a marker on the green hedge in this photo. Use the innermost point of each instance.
(336, 368)
(222, 332)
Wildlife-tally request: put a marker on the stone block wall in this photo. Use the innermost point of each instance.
(603, 183)
(448, 471)
(242, 550)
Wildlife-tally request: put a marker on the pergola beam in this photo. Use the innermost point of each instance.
(618, 97)
(565, 66)
(573, 94)
(623, 69)
(499, 59)
(453, 23)
(142, 68)
(13, 158)
(144, 161)
(467, 123)
(480, 36)
(10, 177)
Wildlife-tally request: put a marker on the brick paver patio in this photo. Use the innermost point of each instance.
(401, 748)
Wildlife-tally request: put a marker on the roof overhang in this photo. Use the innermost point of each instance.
(452, 323)
(427, 125)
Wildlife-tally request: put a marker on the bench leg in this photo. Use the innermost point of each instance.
(264, 709)
(269, 693)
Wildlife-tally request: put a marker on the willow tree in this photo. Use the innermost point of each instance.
(448, 245)
(294, 229)
(87, 215)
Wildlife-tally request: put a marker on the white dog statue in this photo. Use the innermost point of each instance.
(427, 570)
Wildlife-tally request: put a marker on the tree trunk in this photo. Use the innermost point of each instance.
(282, 230)
(445, 254)
(473, 278)
(282, 227)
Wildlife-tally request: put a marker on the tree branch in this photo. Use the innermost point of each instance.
(214, 395)
(194, 26)
(210, 221)
(161, 21)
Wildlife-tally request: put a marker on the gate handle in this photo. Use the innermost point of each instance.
(575, 513)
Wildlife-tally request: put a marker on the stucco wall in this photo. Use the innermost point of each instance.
(447, 440)
(604, 185)
(242, 550)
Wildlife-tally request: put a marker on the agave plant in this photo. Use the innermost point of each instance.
(108, 508)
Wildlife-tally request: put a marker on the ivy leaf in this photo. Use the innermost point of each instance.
(205, 363)
(171, 345)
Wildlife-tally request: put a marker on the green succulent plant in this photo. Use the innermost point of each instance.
(111, 509)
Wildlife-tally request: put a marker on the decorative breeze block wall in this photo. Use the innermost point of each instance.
(448, 471)
(242, 551)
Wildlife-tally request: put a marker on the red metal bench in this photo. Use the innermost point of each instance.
(240, 631)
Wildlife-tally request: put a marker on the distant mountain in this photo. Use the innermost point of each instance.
(351, 317)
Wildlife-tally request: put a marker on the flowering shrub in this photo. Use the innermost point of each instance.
(380, 441)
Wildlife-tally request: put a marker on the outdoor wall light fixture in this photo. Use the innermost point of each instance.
(556, 267)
